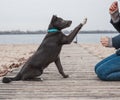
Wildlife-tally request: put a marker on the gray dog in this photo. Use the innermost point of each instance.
(48, 51)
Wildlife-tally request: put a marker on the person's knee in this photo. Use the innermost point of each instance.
(97, 66)
(103, 78)
(101, 75)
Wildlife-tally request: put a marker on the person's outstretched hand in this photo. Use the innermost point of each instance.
(114, 7)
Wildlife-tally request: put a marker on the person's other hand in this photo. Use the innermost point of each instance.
(105, 41)
(114, 7)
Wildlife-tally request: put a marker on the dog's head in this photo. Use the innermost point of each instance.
(59, 23)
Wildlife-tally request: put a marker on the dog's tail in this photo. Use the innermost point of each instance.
(7, 79)
(10, 79)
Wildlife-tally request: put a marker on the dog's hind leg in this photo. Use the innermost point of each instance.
(31, 75)
(60, 68)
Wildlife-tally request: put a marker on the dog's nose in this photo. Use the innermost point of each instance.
(69, 22)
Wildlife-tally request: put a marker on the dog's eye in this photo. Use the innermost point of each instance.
(58, 21)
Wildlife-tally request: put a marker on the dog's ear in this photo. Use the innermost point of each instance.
(54, 17)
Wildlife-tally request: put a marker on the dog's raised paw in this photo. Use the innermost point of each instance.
(84, 21)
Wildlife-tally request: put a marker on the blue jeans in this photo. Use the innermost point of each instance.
(109, 68)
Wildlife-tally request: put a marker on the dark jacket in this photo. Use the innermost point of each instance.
(116, 39)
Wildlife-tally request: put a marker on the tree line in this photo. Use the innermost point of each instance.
(44, 32)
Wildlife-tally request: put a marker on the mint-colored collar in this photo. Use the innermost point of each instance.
(53, 30)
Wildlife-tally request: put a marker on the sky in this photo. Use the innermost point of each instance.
(35, 15)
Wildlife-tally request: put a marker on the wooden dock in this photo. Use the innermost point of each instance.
(82, 84)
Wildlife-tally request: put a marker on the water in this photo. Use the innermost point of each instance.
(37, 38)
(21, 39)
(93, 38)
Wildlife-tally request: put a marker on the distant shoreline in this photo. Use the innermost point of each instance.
(44, 32)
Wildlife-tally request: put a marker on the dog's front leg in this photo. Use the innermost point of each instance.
(68, 39)
(60, 68)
